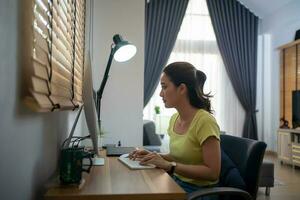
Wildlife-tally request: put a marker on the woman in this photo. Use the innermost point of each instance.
(194, 158)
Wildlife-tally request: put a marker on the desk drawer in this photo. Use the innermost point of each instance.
(296, 154)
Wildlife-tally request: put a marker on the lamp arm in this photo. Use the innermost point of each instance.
(105, 77)
(103, 83)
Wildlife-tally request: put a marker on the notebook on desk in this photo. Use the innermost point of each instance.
(117, 151)
(133, 164)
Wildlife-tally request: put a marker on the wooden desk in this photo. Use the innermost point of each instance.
(114, 181)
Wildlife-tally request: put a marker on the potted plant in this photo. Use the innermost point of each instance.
(157, 110)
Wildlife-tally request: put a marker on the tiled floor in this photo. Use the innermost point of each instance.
(287, 186)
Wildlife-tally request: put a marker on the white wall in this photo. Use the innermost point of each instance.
(122, 101)
(280, 27)
(30, 141)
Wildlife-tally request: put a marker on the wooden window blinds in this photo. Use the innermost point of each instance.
(55, 68)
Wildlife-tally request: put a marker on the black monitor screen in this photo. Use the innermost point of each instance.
(296, 108)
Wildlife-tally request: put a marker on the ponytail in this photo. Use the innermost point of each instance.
(203, 99)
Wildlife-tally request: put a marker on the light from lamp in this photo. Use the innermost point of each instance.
(125, 53)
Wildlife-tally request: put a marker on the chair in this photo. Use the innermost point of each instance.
(247, 155)
(151, 140)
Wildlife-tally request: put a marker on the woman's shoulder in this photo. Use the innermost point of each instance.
(205, 116)
(207, 125)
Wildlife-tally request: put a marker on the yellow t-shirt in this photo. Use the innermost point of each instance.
(187, 148)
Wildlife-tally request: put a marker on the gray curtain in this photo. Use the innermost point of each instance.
(236, 33)
(163, 21)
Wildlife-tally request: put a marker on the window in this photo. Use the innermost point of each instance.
(196, 43)
(55, 40)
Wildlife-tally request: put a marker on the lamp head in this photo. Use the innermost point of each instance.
(123, 49)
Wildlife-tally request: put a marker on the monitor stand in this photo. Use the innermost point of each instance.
(97, 161)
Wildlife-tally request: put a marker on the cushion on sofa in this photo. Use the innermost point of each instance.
(230, 175)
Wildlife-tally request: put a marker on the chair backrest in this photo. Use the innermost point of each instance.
(149, 135)
(247, 155)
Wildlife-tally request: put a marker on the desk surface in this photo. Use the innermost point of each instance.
(114, 181)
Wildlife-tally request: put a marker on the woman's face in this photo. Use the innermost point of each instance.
(169, 92)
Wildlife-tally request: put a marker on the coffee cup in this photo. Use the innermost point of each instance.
(71, 166)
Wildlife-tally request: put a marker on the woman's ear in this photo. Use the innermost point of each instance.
(182, 88)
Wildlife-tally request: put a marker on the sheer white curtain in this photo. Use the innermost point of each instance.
(196, 44)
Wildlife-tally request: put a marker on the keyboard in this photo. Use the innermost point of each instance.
(133, 164)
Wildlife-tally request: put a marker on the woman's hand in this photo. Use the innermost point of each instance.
(157, 160)
(138, 154)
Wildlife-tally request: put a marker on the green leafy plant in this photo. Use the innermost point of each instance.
(157, 109)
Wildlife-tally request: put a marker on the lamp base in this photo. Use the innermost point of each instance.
(97, 161)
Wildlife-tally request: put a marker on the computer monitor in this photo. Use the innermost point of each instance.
(296, 108)
(90, 108)
(90, 114)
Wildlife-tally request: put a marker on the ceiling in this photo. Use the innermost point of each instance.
(263, 8)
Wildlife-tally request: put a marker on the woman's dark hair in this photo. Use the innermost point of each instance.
(186, 73)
